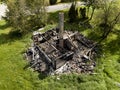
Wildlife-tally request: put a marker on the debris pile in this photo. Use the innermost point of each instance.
(47, 56)
(56, 51)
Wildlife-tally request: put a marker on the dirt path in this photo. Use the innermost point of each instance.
(52, 8)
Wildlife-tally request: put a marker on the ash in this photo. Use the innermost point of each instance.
(54, 53)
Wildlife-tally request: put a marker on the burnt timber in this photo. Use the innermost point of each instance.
(59, 51)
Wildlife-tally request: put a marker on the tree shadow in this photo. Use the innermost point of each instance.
(2, 27)
(66, 1)
(114, 45)
(118, 61)
(111, 46)
(4, 38)
(10, 37)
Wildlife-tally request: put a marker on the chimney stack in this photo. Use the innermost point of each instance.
(61, 29)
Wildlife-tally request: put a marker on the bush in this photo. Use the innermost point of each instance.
(73, 14)
(26, 15)
(66, 0)
(83, 13)
(52, 2)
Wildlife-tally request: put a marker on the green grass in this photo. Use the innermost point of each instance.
(13, 76)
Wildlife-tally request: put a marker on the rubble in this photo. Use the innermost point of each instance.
(46, 56)
(57, 52)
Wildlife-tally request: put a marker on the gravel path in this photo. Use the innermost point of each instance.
(52, 8)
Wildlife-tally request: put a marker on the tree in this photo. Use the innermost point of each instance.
(83, 13)
(26, 15)
(72, 13)
(111, 16)
(108, 16)
(52, 2)
(38, 14)
(93, 4)
(67, 0)
(3, 0)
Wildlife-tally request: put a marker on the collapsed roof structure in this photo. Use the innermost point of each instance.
(58, 51)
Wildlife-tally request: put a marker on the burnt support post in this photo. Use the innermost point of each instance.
(61, 28)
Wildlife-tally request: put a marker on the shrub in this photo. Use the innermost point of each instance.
(66, 0)
(26, 15)
(72, 14)
(83, 13)
(52, 2)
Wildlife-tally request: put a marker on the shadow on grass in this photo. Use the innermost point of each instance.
(2, 27)
(42, 76)
(118, 61)
(114, 46)
(110, 46)
(10, 37)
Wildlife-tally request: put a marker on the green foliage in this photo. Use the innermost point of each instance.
(73, 13)
(52, 2)
(106, 12)
(67, 0)
(109, 16)
(83, 13)
(3, 0)
(25, 16)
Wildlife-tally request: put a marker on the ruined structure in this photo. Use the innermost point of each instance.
(58, 51)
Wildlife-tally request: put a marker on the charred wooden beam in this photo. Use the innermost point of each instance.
(50, 44)
(46, 59)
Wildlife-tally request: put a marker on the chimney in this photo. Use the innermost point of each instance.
(61, 29)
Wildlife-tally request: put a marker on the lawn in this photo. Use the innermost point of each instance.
(13, 76)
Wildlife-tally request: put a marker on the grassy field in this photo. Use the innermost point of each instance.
(13, 76)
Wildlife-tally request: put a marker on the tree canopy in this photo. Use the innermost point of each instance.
(26, 15)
